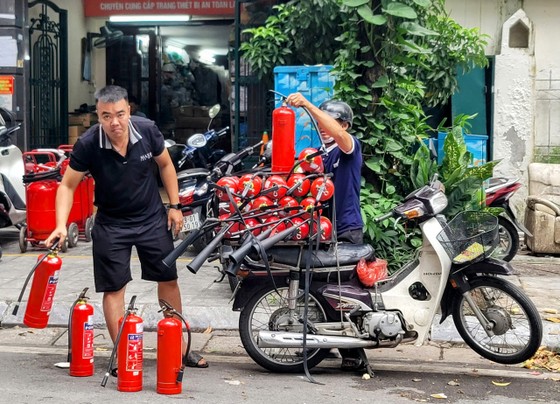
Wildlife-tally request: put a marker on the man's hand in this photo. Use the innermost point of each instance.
(175, 221)
(297, 100)
(59, 233)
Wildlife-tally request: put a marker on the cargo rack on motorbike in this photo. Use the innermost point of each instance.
(469, 237)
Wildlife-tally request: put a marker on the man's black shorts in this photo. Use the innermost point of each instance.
(112, 246)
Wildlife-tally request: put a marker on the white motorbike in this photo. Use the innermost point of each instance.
(297, 304)
(12, 169)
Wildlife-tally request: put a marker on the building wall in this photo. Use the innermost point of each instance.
(526, 82)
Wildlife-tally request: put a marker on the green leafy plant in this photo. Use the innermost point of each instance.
(392, 60)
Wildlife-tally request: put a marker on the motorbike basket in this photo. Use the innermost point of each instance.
(470, 237)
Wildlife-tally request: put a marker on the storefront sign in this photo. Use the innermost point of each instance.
(7, 85)
(106, 8)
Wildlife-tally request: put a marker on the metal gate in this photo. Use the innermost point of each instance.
(48, 75)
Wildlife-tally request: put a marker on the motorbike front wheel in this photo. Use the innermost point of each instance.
(515, 328)
(508, 240)
(268, 310)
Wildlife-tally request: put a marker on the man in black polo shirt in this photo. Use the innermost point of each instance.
(120, 152)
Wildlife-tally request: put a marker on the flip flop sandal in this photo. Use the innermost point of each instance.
(352, 364)
(193, 360)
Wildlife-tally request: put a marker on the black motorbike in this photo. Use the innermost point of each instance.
(199, 151)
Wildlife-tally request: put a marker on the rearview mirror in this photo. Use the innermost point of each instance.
(214, 111)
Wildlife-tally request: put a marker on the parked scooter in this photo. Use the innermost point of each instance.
(498, 194)
(12, 169)
(297, 302)
(199, 151)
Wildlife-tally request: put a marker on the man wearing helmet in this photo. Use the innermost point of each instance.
(343, 159)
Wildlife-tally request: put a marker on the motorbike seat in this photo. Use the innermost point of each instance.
(192, 173)
(348, 254)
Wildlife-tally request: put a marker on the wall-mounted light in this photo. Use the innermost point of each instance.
(150, 18)
(207, 56)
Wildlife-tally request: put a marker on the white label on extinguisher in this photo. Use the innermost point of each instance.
(48, 297)
(88, 340)
(134, 353)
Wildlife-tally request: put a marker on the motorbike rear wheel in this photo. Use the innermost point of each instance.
(509, 240)
(516, 325)
(268, 310)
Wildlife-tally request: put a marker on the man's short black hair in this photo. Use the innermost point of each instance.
(111, 94)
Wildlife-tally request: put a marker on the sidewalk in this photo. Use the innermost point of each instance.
(206, 303)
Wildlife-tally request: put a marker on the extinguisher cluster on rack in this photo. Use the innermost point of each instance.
(288, 200)
(273, 202)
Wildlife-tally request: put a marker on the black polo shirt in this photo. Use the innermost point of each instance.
(126, 188)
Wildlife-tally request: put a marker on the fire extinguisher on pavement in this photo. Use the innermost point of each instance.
(80, 337)
(130, 345)
(170, 368)
(43, 288)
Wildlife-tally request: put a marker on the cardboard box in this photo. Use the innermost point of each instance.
(85, 120)
(74, 133)
(192, 122)
(183, 111)
(181, 135)
(201, 111)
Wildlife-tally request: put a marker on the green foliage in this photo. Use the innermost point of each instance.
(298, 33)
(463, 182)
(390, 240)
(392, 59)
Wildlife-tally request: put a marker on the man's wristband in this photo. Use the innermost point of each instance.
(177, 206)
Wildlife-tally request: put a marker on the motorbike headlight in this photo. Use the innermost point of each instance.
(197, 140)
(437, 202)
(203, 189)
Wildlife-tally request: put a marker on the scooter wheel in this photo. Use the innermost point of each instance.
(23, 239)
(73, 234)
(64, 246)
(88, 228)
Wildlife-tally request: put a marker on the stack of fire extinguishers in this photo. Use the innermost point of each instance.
(37, 312)
(129, 346)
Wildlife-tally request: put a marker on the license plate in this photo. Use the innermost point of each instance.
(191, 222)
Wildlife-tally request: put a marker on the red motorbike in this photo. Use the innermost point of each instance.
(498, 194)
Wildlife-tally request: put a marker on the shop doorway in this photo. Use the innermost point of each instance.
(175, 73)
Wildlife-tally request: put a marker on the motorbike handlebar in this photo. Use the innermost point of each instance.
(383, 217)
(222, 131)
(181, 248)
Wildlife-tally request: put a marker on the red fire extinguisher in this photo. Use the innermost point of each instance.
(43, 288)
(283, 139)
(80, 337)
(169, 343)
(130, 345)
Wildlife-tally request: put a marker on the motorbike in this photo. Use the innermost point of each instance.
(498, 193)
(12, 170)
(298, 300)
(199, 150)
